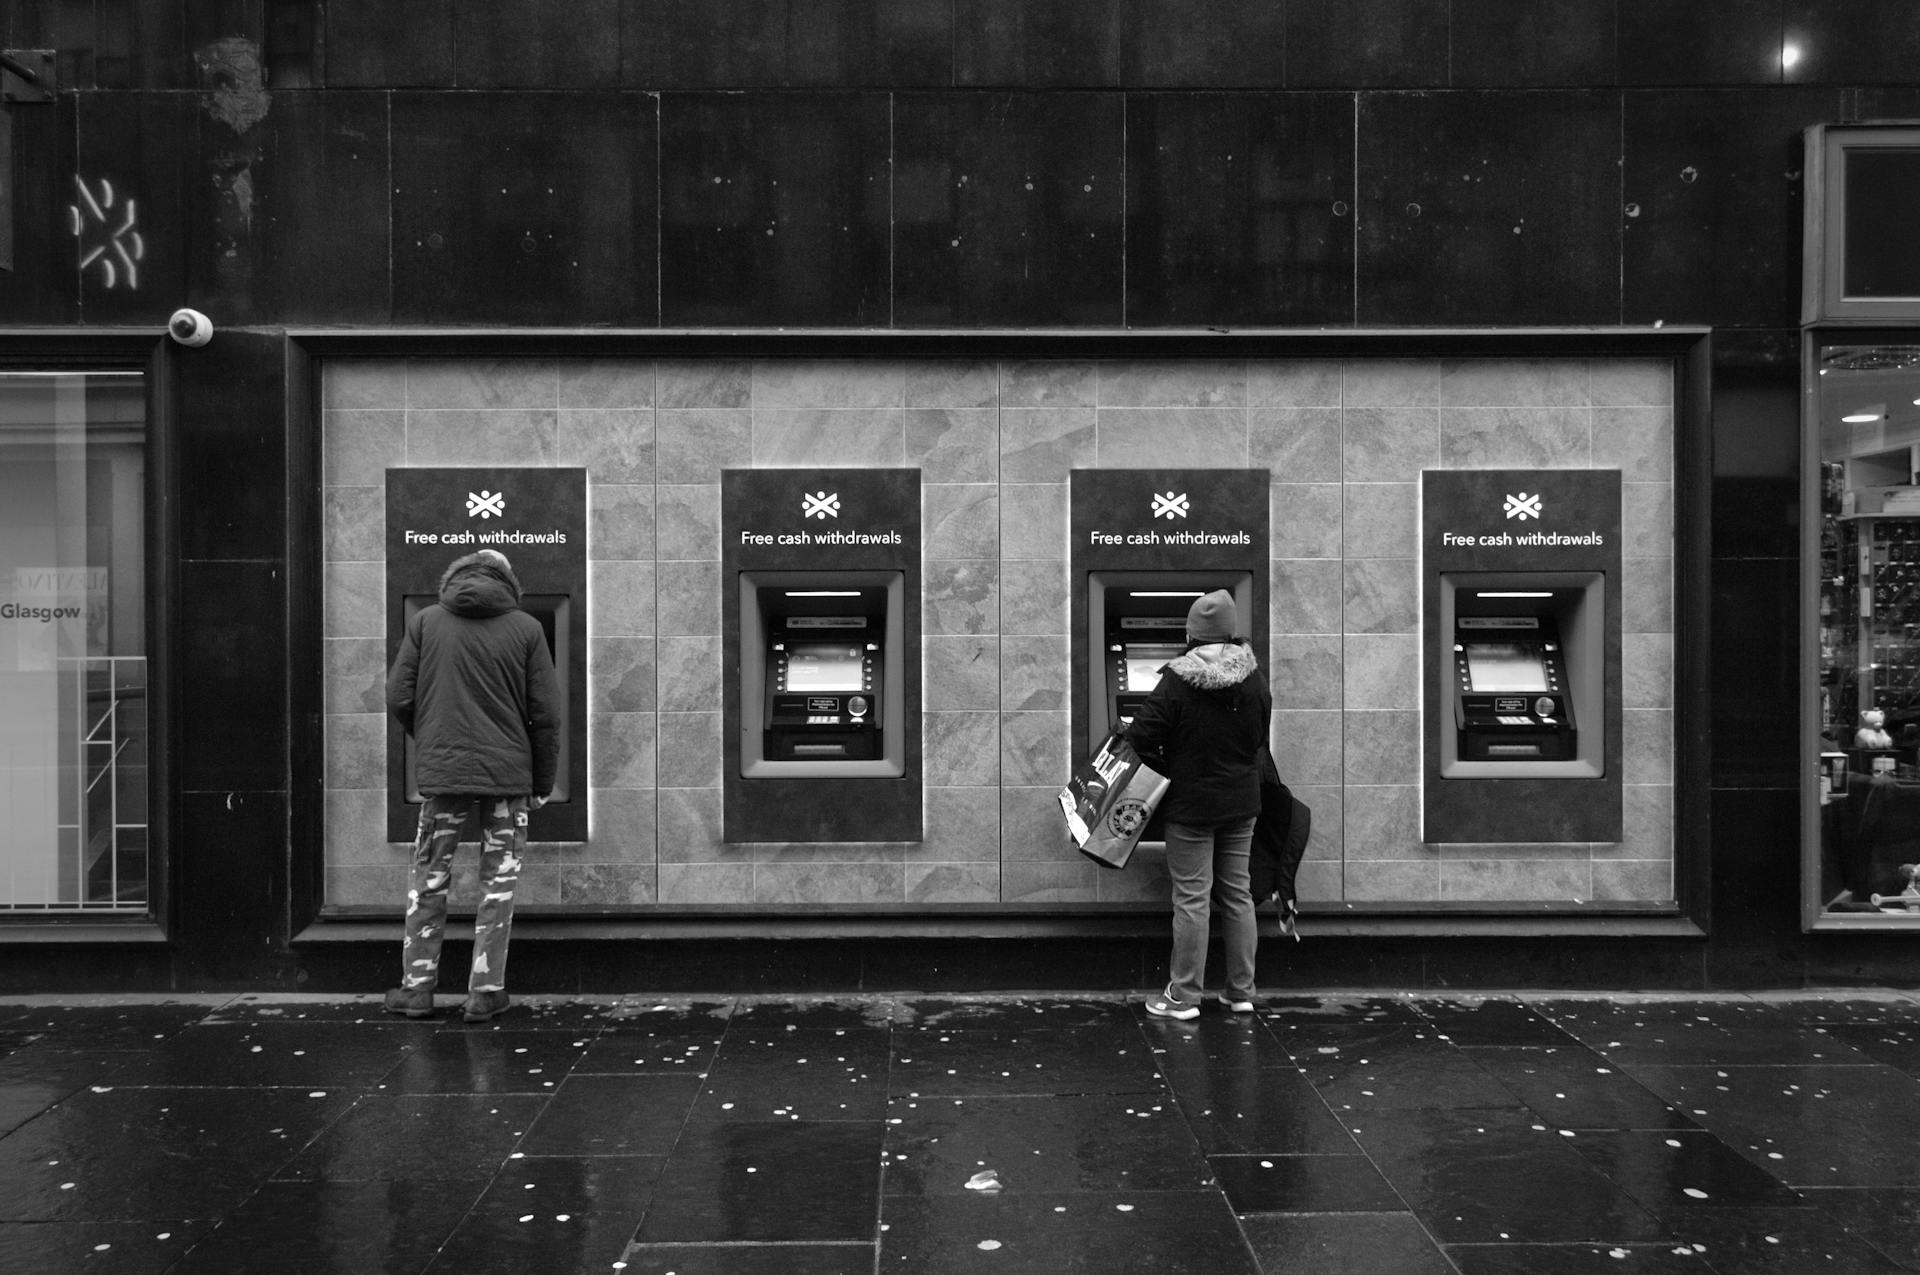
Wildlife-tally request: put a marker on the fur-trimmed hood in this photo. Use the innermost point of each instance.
(478, 586)
(1215, 666)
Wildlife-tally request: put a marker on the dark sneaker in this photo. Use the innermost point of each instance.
(414, 1002)
(481, 1006)
(1164, 1006)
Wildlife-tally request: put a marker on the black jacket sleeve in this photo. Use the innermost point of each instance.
(404, 675)
(1153, 724)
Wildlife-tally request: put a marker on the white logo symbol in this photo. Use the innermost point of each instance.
(487, 504)
(1170, 506)
(122, 241)
(1523, 506)
(822, 506)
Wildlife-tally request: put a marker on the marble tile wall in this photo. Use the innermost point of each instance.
(995, 442)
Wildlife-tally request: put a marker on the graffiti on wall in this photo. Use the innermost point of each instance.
(109, 238)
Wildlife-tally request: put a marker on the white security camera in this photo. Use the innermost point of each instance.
(190, 327)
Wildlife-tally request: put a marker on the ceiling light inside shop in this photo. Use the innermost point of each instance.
(1863, 418)
(1789, 56)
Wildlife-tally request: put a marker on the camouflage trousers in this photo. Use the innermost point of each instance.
(503, 840)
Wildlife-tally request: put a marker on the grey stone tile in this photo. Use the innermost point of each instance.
(1383, 822)
(1514, 383)
(964, 597)
(355, 675)
(688, 521)
(691, 826)
(1646, 515)
(621, 522)
(479, 383)
(1516, 438)
(829, 883)
(1515, 880)
(1047, 383)
(1173, 383)
(952, 383)
(352, 886)
(615, 445)
(1647, 746)
(961, 749)
(1380, 520)
(356, 745)
(1295, 444)
(1646, 595)
(624, 825)
(1630, 382)
(799, 438)
(354, 603)
(1155, 437)
(1390, 383)
(1062, 882)
(1382, 748)
(621, 597)
(696, 444)
(953, 445)
(1391, 881)
(703, 383)
(689, 599)
(1647, 823)
(1306, 520)
(621, 750)
(356, 829)
(525, 437)
(1307, 745)
(1646, 670)
(621, 674)
(604, 383)
(1382, 596)
(358, 446)
(1033, 748)
(1633, 881)
(962, 673)
(962, 825)
(351, 384)
(1293, 383)
(1035, 673)
(1388, 444)
(829, 383)
(952, 882)
(1033, 600)
(1637, 441)
(611, 885)
(706, 883)
(1308, 595)
(1045, 444)
(689, 674)
(1306, 671)
(1032, 827)
(1033, 520)
(962, 519)
(1382, 671)
(690, 750)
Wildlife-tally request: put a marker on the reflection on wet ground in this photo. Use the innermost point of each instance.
(1378, 1134)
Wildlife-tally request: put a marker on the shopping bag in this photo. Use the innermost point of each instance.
(1109, 800)
(1280, 833)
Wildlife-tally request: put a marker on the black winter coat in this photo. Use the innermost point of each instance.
(473, 684)
(1204, 727)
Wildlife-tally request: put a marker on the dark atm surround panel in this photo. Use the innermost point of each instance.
(821, 676)
(1526, 669)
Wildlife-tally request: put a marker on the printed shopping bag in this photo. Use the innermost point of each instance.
(1109, 800)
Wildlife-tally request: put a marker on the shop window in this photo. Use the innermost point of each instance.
(1866, 398)
(74, 743)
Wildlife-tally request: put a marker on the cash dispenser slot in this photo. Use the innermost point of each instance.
(820, 682)
(1526, 665)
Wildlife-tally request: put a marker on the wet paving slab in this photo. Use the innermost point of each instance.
(1474, 1134)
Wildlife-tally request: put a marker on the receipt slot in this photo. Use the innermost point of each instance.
(827, 692)
(1138, 621)
(1526, 660)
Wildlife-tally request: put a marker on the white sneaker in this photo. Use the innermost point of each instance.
(1164, 1006)
(1236, 1006)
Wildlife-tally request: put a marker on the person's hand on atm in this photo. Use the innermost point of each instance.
(538, 800)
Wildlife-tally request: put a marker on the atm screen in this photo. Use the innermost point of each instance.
(1505, 667)
(1144, 660)
(823, 666)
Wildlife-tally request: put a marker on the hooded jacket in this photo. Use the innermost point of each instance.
(1204, 727)
(474, 685)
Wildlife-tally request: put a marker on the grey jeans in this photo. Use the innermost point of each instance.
(1208, 867)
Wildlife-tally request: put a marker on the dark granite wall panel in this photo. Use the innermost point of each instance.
(1367, 43)
(1489, 208)
(1756, 444)
(524, 208)
(1239, 208)
(308, 243)
(230, 863)
(1008, 209)
(133, 155)
(231, 712)
(1852, 41)
(694, 44)
(1755, 658)
(1534, 44)
(1711, 197)
(43, 285)
(571, 44)
(1038, 43)
(1205, 44)
(231, 444)
(774, 209)
(1700, 41)
(377, 43)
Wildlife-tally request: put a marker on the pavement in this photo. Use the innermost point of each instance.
(1369, 1133)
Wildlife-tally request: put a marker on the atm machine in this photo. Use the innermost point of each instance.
(821, 687)
(1527, 674)
(1138, 621)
